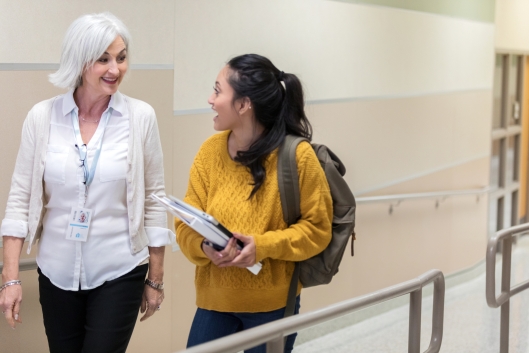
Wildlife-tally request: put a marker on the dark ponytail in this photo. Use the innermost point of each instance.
(279, 109)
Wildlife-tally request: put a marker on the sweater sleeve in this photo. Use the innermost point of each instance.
(312, 233)
(189, 240)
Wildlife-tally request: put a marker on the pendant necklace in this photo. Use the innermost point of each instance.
(90, 121)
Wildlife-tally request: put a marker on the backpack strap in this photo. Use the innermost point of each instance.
(292, 289)
(288, 178)
(288, 181)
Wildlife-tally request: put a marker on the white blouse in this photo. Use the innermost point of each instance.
(106, 255)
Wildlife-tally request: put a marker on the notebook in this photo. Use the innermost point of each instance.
(201, 222)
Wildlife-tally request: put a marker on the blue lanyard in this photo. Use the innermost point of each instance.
(80, 144)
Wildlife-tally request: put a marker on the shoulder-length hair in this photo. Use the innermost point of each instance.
(86, 40)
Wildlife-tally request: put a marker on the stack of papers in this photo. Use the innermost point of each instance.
(202, 223)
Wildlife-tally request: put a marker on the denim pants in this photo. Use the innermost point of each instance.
(209, 325)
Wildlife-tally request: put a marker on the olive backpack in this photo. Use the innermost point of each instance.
(320, 268)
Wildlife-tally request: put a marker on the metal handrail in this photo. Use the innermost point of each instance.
(423, 195)
(503, 300)
(273, 333)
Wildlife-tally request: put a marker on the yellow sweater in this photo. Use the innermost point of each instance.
(220, 186)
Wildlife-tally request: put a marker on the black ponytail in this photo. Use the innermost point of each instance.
(278, 105)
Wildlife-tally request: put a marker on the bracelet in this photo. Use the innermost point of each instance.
(10, 283)
(153, 284)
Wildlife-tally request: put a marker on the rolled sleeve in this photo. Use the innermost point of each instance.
(14, 228)
(159, 236)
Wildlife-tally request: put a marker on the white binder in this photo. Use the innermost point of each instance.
(202, 223)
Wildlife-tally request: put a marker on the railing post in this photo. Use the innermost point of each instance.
(414, 334)
(437, 315)
(276, 345)
(505, 288)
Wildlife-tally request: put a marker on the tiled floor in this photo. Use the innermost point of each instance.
(470, 326)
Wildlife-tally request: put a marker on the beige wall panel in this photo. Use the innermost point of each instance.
(512, 27)
(32, 31)
(156, 88)
(470, 175)
(189, 132)
(416, 237)
(384, 142)
(340, 50)
(19, 91)
(182, 299)
(188, 135)
(29, 337)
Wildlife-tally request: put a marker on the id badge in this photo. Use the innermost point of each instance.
(79, 224)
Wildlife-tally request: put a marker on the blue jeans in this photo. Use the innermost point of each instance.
(209, 325)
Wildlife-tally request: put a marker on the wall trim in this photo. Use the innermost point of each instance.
(55, 66)
(396, 96)
(192, 111)
(420, 174)
(354, 99)
(28, 66)
(152, 66)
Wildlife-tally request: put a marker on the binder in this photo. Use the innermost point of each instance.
(204, 224)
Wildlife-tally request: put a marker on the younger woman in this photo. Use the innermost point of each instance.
(234, 178)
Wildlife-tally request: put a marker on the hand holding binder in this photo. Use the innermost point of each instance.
(202, 223)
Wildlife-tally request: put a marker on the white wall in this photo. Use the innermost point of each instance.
(31, 31)
(340, 50)
(512, 25)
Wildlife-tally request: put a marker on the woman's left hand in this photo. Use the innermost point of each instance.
(246, 257)
(152, 297)
(151, 301)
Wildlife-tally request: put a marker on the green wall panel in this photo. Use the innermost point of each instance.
(477, 10)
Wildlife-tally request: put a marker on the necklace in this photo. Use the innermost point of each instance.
(90, 121)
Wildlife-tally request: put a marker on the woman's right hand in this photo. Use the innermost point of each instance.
(224, 256)
(10, 300)
(11, 296)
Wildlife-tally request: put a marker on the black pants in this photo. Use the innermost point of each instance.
(99, 320)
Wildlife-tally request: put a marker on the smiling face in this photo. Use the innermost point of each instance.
(104, 77)
(221, 101)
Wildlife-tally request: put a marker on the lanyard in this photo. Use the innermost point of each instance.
(80, 144)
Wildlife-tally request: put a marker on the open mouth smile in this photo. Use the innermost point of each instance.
(110, 81)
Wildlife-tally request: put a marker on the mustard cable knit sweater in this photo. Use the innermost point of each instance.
(221, 186)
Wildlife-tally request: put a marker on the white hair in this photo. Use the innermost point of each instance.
(87, 38)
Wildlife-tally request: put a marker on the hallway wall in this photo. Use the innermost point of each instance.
(402, 95)
(512, 29)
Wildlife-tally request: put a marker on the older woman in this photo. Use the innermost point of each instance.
(87, 160)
